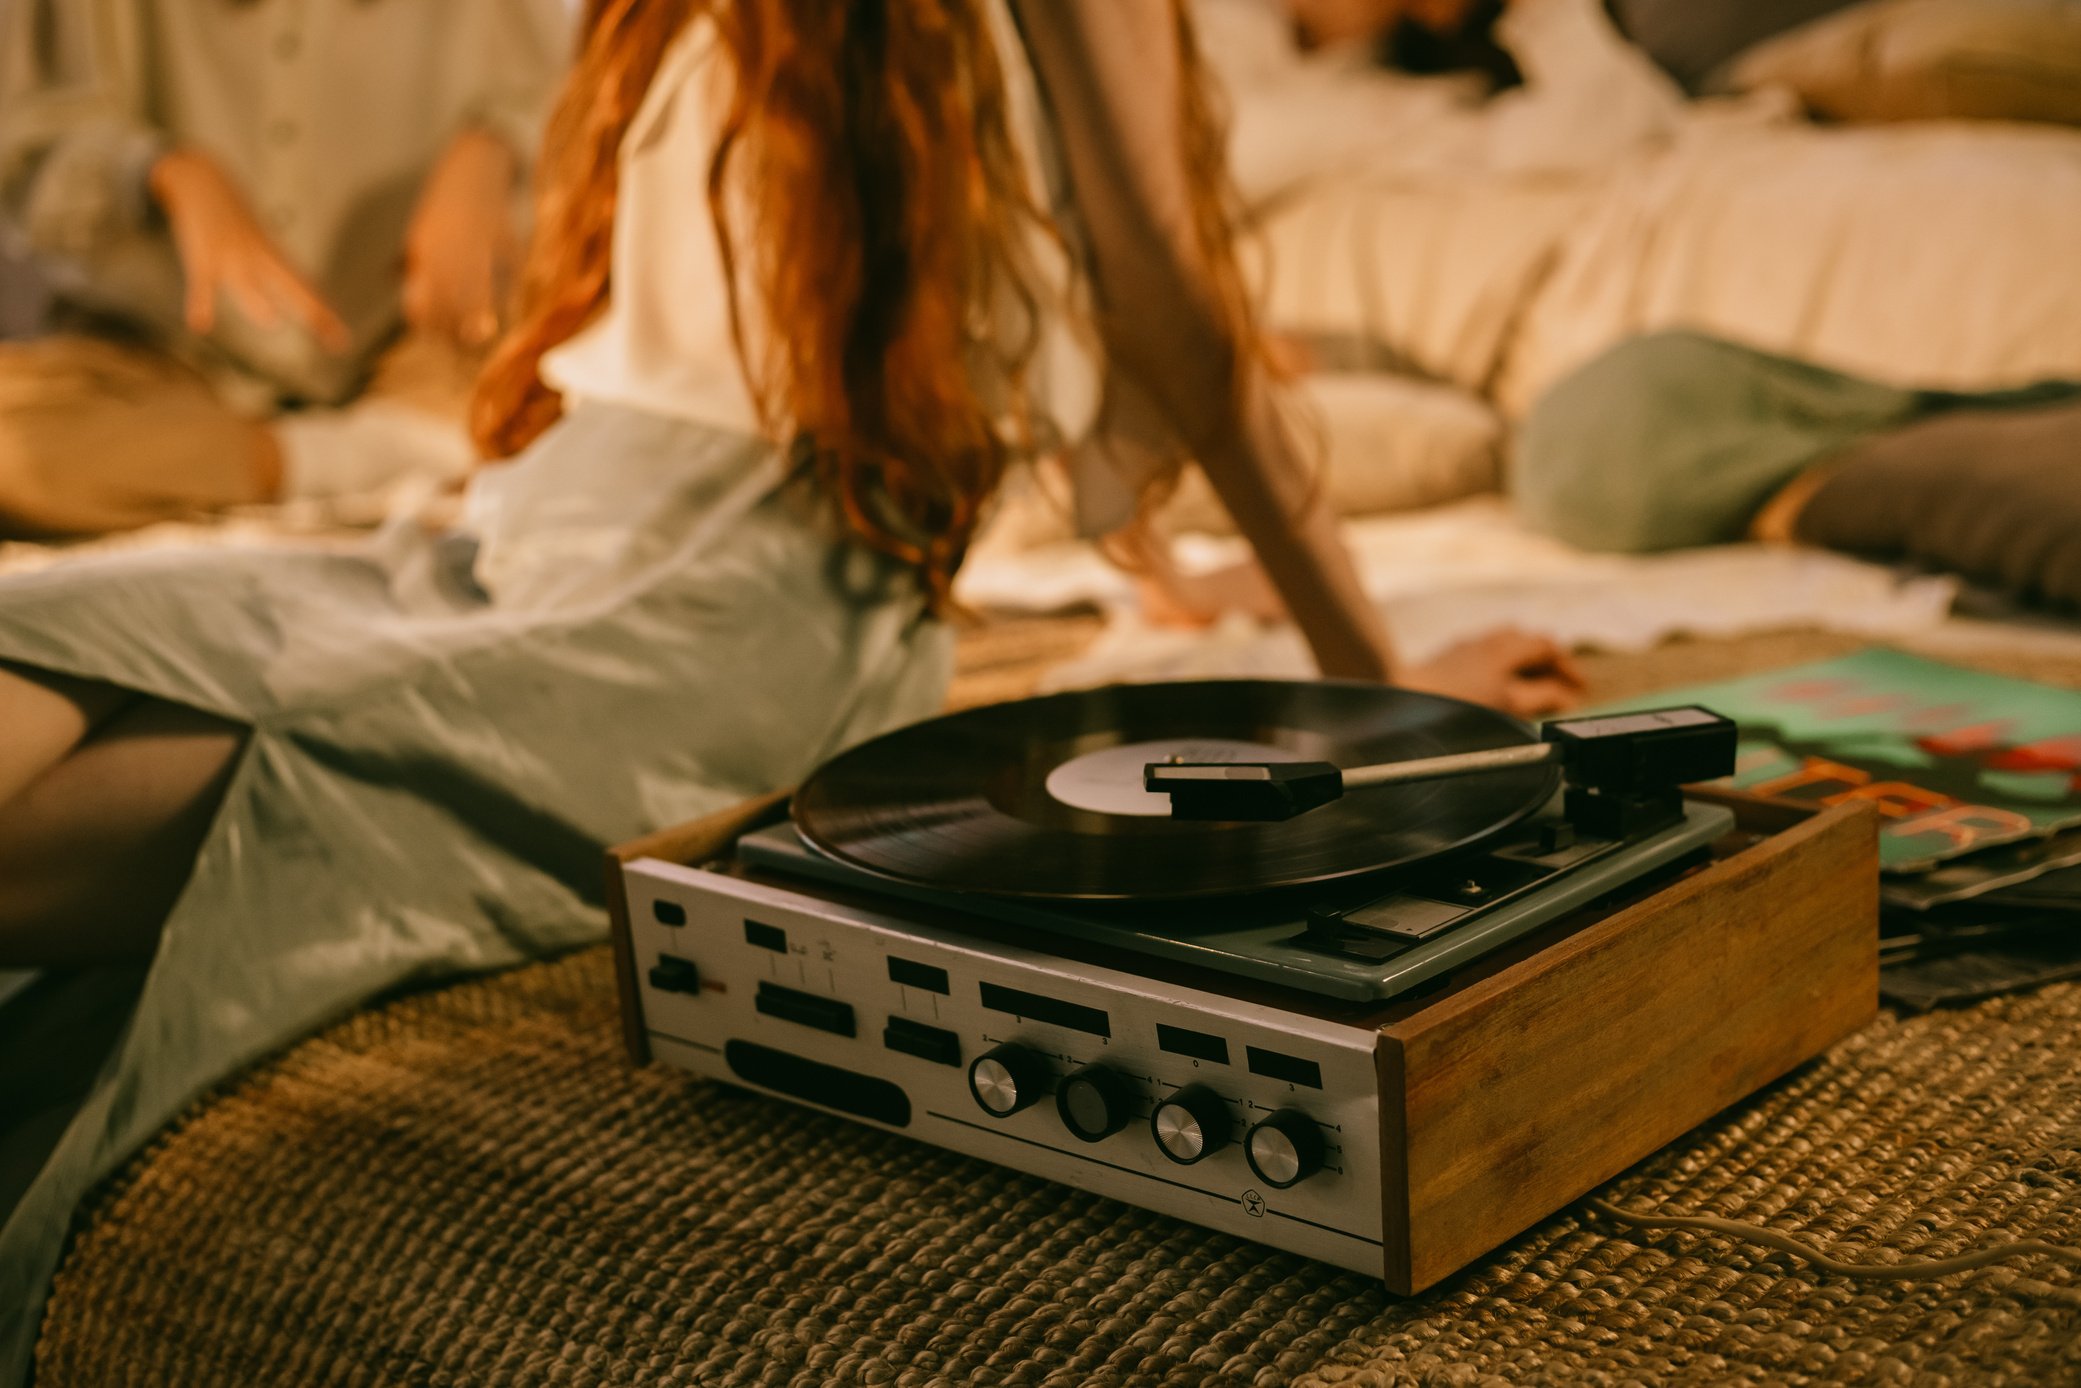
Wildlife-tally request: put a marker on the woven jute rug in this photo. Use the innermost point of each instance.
(472, 1186)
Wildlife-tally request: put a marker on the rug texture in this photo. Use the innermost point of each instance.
(472, 1186)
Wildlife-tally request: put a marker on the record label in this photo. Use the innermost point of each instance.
(1111, 781)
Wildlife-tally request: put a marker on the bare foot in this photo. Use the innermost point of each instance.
(1774, 524)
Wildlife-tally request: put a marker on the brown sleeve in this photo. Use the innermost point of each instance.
(1994, 495)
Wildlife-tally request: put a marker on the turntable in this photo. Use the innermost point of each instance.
(1373, 976)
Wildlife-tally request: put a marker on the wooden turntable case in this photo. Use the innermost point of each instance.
(1541, 1072)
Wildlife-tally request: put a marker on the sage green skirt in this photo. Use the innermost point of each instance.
(642, 621)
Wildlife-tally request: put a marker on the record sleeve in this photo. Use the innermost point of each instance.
(1955, 761)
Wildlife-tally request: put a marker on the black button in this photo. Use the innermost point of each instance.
(927, 1043)
(766, 936)
(668, 912)
(671, 974)
(806, 1009)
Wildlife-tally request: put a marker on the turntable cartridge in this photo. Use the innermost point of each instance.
(1618, 768)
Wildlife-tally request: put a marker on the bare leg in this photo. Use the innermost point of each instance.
(46, 716)
(95, 851)
(1777, 523)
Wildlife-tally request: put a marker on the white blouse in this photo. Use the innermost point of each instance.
(663, 344)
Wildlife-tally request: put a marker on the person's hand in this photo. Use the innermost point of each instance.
(462, 244)
(1512, 670)
(225, 252)
(1171, 597)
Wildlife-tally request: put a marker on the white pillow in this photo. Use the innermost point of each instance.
(1431, 275)
(1934, 254)
(1928, 59)
(1387, 444)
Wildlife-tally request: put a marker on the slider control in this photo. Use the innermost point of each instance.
(672, 974)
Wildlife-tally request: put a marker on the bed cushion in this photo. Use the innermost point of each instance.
(1436, 271)
(1385, 443)
(1691, 38)
(1928, 59)
(1930, 255)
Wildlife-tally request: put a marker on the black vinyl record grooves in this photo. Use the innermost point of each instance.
(1043, 798)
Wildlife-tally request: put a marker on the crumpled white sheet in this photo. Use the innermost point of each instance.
(1458, 570)
(1498, 245)
(332, 523)
(1588, 99)
(260, 529)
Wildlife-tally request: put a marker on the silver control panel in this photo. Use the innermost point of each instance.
(1244, 1118)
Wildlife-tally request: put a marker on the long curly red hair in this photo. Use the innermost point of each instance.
(868, 149)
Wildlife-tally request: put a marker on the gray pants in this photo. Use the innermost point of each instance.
(1992, 494)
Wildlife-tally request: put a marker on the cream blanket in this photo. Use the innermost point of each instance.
(1499, 245)
(1457, 570)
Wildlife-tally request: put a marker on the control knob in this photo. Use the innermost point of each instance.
(1284, 1149)
(1094, 1102)
(1190, 1124)
(1007, 1078)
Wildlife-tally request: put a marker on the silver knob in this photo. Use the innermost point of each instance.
(1285, 1149)
(1095, 1102)
(1005, 1079)
(1190, 1124)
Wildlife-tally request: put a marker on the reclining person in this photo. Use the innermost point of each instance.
(1676, 439)
(239, 204)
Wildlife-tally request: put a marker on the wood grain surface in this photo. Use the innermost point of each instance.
(1507, 1100)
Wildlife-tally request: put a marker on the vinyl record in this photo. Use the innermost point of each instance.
(1043, 798)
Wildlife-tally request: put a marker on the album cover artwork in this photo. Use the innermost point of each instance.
(1955, 761)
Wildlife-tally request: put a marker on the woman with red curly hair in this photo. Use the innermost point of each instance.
(807, 279)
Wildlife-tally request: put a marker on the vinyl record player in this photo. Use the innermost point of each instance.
(1373, 976)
